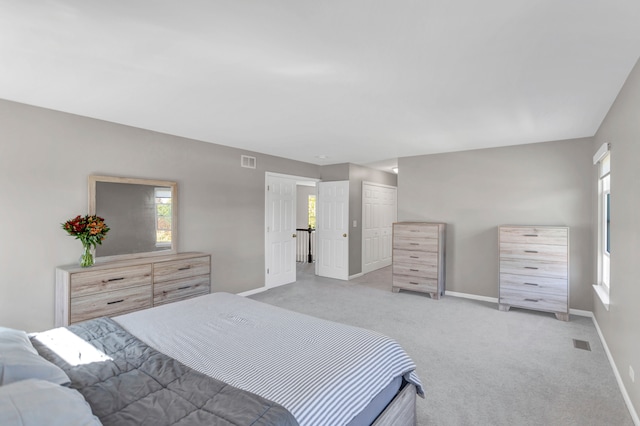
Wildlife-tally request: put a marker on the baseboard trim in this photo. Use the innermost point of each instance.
(471, 296)
(616, 373)
(356, 275)
(254, 291)
(581, 313)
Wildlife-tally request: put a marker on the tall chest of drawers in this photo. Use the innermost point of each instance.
(534, 268)
(119, 287)
(419, 257)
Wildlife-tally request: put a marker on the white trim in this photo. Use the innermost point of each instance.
(297, 178)
(602, 151)
(355, 275)
(471, 296)
(581, 313)
(603, 295)
(378, 184)
(254, 291)
(623, 390)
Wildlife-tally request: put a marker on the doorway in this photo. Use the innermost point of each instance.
(280, 227)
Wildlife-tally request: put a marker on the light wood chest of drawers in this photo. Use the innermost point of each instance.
(534, 268)
(418, 257)
(119, 287)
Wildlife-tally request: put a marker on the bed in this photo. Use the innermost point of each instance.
(226, 359)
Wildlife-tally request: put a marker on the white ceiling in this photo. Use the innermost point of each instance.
(328, 81)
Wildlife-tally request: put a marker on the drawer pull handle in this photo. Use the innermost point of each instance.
(413, 282)
(531, 251)
(530, 235)
(414, 270)
(184, 287)
(115, 301)
(414, 244)
(113, 279)
(532, 284)
(184, 268)
(531, 300)
(414, 257)
(530, 267)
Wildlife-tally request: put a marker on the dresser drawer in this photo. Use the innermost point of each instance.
(429, 285)
(532, 300)
(110, 303)
(414, 230)
(171, 291)
(415, 257)
(538, 285)
(534, 235)
(178, 269)
(553, 253)
(100, 280)
(424, 271)
(415, 244)
(535, 268)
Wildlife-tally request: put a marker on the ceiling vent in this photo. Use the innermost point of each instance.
(248, 162)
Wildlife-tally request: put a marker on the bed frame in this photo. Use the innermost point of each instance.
(401, 411)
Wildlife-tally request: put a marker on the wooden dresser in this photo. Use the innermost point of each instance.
(119, 287)
(534, 268)
(418, 257)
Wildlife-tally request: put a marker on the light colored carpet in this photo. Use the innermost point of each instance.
(479, 366)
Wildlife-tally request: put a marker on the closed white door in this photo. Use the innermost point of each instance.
(332, 227)
(281, 231)
(379, 212)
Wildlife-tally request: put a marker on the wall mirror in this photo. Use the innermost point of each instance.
(142, 215)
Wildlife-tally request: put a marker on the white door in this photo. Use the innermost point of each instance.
(280, 231)
(379, 211)
(332, 227)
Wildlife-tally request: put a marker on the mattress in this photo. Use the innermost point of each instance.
(320, 371)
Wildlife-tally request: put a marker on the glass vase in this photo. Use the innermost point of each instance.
(86, 259)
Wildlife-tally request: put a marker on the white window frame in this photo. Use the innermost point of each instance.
(603, 286)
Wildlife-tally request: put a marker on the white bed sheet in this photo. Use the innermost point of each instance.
(321, 371)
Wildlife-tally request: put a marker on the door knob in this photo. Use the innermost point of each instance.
(294, 236)
(344, 235)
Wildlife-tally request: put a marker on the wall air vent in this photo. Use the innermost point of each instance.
(248, 162)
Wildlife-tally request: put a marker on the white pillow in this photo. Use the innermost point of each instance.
(19, 360)
(35, 402)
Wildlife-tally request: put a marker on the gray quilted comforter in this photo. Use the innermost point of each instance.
(141, 386)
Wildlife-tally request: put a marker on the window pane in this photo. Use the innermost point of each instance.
(607, 225)
(163, 216)
(312, 211)
(605, 165)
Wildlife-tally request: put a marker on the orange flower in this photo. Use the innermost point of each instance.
(91, 230)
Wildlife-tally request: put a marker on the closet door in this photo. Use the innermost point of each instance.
(379, 212)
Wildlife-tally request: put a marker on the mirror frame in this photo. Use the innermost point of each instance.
(94, 179)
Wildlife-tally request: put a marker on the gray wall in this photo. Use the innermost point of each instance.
(45, 160)
(476, 191)
(619, 325)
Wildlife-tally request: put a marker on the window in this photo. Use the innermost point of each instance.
(163, 216)
(312, 211)
(603, 160)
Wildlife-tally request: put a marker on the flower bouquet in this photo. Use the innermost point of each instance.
(90, 230)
